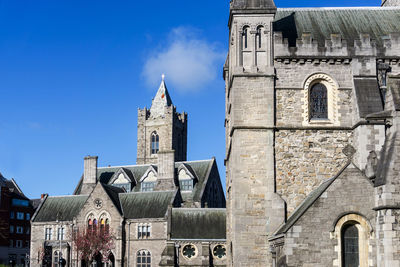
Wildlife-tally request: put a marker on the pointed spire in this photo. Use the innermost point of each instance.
(161, 100)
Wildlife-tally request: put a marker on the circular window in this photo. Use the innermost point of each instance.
(219, 251)
(189, 251)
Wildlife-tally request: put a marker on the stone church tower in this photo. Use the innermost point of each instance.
(253, 209)
(161, 128)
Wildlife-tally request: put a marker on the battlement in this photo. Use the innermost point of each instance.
(336, 46)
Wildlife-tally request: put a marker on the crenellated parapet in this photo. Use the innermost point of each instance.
(336, 49)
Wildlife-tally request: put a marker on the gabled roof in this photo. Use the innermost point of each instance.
(63, 208)
(348, 22)
(368, 96)
(113, 192)
(127, 173)
(308, 202)
(195, 224)
(201, 168)
(146, 204)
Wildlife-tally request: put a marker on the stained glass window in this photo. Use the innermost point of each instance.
(350, 252)
(318, 102)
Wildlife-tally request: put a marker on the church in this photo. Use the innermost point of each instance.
(312, 156)
(161, 212)
(313, 135)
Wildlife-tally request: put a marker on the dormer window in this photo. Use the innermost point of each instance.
(186, 185)
(186, 179)
(148, 186)
(155, 143)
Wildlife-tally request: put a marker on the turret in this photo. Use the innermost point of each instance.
(249, 76)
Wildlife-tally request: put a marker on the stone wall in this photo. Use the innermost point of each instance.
(155, 244)
(314, 239)
(305, 158)
(171, 129)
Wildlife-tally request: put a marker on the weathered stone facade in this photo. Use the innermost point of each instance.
(306, 158)
(170, 126)
(312, 102)
(162, 212)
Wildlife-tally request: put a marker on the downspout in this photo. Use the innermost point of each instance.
(129, 242)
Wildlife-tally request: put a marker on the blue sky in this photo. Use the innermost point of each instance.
(73, 73)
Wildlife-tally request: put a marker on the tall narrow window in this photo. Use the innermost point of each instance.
(56, 259)
(143, 259)
(155, 143)
(259, 37)
(60, 233)
(318, 102)
(48, 233)
(350, 250)
(245, 37)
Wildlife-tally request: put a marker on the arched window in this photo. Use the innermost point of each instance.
(56, 259)
(90, 224)
(107, 225)
(155, 143)
(143, 258)
(318, 102)
(245, 37)
(259, 40)
(102, 225)
(350, 250)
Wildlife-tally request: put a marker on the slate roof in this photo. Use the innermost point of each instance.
(113, 192)
(146, 204)
(200, 168)
(368, 96)
(348, 22)
(63, 208)
(198, 224)
(308, 202)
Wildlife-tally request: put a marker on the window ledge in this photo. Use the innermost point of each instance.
(320, 121)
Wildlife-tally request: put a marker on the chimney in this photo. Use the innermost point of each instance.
(166, 170)
(89, 174)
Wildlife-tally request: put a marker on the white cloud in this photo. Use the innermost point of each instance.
(188, 61)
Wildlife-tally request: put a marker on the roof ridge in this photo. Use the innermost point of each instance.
(67, 196)
(144, 165)
(337, 8)
(148, 192)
